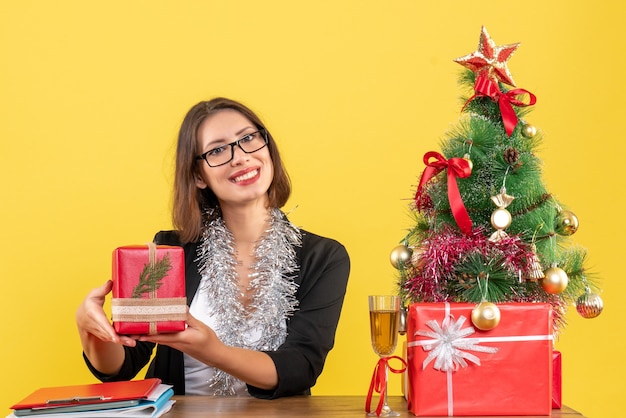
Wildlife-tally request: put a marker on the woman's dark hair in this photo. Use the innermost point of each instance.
(189, 201)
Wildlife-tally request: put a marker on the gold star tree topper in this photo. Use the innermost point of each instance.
(490, 60)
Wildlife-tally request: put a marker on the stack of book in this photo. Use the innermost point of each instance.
(147, 398)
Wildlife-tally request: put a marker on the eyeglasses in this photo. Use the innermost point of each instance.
(249, 143)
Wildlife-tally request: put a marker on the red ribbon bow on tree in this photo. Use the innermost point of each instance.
(457, 167)
(485, 86)
(379, 382)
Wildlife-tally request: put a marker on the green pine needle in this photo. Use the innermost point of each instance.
(478, 278)
(150, 279)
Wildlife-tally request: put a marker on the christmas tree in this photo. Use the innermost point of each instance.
(486, 228)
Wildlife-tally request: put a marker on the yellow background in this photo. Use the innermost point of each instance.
(92, 94)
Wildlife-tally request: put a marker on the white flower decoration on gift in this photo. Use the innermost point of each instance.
(449, 345)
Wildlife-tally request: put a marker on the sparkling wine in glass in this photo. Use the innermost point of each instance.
(384, 322)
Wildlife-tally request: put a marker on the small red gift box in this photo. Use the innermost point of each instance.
(148, 289)
(455, 369)
(556, 380)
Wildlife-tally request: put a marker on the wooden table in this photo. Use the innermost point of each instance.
(294, 407)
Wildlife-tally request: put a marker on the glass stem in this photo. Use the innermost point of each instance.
(386, 408)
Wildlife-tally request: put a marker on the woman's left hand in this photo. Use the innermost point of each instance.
(198, 340)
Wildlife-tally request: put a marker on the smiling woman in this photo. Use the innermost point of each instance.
(264, 296)
(250, 172)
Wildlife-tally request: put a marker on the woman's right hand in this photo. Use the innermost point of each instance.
(92, 321)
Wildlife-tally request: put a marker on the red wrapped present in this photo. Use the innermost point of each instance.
(148, 289)
(455, 369)
(556, 380)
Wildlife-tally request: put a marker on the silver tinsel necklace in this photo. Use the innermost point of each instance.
(272, 288)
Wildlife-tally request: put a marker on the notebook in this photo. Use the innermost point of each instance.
(90, 394)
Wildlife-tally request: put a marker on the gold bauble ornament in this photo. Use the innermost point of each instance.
(501, 218)
(555, 280)
(566, 223)
(589, 305)
(528, 130)
(466, 157)
(486, 316)
(400, 255)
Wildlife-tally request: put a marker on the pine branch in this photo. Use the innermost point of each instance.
(151, 276)
(479, 278)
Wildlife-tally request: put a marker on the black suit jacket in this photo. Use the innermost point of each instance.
(322, 279)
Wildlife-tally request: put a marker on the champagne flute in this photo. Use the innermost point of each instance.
(384, 321)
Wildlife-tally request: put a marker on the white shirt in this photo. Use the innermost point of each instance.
(198, 374)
